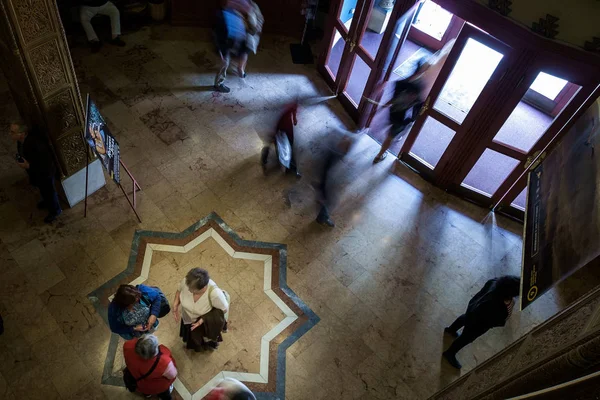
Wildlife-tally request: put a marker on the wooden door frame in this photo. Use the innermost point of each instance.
(545, 62)
(503, 205)
(437, 173)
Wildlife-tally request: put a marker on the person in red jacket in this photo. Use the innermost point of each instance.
(140, 355)
(285, 125)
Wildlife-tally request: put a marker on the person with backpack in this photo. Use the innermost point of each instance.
(150, 367)
(492, 306)
(135, 310)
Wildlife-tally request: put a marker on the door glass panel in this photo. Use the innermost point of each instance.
(376, 25)
(475, 66)
(432, 20)
(535, 112)
(432, 141)
(521, 200)
(489, 172)
(358, 80)
(335, 53)
(347, 12)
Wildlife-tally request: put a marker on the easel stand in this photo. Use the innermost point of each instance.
(136, 187)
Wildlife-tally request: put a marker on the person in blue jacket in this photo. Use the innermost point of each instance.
(134, 311)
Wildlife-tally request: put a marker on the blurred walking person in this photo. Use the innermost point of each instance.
(339, 145)
(230, 389)
(230, 34)
(491, 307)
(283, 140)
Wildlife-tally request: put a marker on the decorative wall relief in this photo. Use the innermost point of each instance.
(72, 149)
(547, 27)
(501, 6)
(34, 18)
(48, 67)
(61, 112)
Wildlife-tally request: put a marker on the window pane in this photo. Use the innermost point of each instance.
(432, 141)
(432, 20)
(529, 121)
(335, 54)
(548, 85)
(358, 80)
(474, 67)
(347, 12)
(520, 200)
(378, 21)
(489, 172)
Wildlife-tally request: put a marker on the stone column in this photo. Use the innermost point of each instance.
(38, 66)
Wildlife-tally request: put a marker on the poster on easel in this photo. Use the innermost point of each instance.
(101, 141)
(562, 223)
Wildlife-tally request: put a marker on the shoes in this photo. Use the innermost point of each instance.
(242, 74)
(451, 332)
(213, 345)
(451, 358)
(117, 41)
(41, 205)
(326, 222)
(380, 158)
(222, 88)
(95, 45)
(52, 216)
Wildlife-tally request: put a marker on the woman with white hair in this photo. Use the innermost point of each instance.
(150, 367)
(203, 310)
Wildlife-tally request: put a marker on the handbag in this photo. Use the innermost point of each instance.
(131, 381)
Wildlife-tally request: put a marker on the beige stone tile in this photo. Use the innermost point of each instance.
(37, 265)
(112, 262)
(91, 391)
(35, 384)
(178, 210)
(159, 191)
(250, 286)
(300, 383)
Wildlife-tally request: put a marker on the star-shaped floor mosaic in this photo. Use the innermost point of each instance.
(266, 316)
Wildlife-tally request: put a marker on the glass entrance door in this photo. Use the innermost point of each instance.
(356, 35)
(473, 66)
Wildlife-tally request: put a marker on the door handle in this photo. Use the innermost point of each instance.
(425, 106)
(352, 46)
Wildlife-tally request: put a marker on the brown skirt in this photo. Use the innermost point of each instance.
(207, 335)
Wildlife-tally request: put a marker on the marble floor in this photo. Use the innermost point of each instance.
(402, 262)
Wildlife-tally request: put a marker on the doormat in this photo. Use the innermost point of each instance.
(406, 69)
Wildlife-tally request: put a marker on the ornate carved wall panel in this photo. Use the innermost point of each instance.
(39, 59)
(71, 150)
(60, 109)
(49, 70)
(34, 17)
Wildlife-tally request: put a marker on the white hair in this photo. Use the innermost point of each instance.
(147, 347)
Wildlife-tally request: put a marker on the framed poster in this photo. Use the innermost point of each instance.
(562, 225)
(102, 142)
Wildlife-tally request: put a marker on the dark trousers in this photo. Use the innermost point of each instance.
(166, 395)
(326, 200)
(468, 335)
(49, 195)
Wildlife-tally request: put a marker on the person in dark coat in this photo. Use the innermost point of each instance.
(340, 143)
(489, 308)
(405, 106)
(35, 157)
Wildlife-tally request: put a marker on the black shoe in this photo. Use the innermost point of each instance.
(95, 45)
(52, 216)
(117, 41)
(222, 88)
(451, 358)
(41, 205)
(326, 222)
(451, 332)
(213, 345)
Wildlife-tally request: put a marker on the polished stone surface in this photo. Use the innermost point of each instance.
(402, 262)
